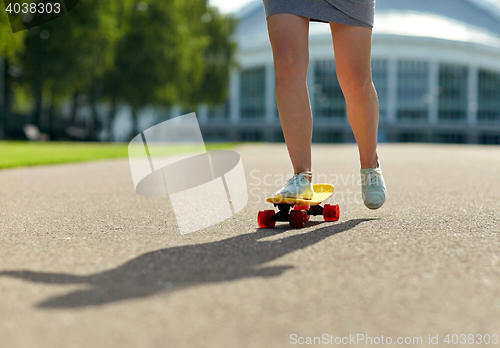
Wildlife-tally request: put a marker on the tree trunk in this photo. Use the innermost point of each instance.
(135, 124)
(94, 119)
(3, 78)
(38, 112)
(111, 120)
(8, 97)
(51, 114)
(74, 109)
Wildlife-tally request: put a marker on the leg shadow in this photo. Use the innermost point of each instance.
(177, 268)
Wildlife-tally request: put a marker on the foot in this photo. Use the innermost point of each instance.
(297, 187)
(373, 187)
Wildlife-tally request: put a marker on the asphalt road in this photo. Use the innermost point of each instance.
(86, 262)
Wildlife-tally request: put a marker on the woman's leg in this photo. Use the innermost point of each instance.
(289, 35)
(352, 46)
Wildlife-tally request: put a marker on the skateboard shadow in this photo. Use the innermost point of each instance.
(177, 268)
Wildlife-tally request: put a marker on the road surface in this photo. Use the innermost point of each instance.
(86, 262)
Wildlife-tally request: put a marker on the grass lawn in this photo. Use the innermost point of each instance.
(24, 154)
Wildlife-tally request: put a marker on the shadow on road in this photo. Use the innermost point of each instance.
(176, 268)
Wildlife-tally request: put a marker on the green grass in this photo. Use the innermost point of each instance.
(23, 154)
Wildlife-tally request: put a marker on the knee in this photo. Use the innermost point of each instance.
(290, 64)
(355, 84)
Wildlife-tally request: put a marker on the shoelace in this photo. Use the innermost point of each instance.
(295, 178)
(371, 178)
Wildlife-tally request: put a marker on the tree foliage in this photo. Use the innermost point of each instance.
(10, 44)
(154, 52)
(218, 58)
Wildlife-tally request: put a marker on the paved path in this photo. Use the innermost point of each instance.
(86, 262)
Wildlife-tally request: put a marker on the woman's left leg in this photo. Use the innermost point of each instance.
(353, 65)
(352, 46)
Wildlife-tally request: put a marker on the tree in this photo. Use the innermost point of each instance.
(219, 58)
(10, 46)
(176, 52)
(158, 59)
(154, 52)
(69, 54)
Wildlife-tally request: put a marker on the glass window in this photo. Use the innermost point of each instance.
(488, 96)
(218, 112)
(328, 98)
(215, 135)
(251, 135)
(489, 139)
(253, 93)
(452, 138)
(452, 92)
(279, 137)
(413, 95)
(412, 137)
(327, 137)
(380, 80)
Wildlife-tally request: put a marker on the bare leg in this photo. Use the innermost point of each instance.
(289, 35)
(353, 64)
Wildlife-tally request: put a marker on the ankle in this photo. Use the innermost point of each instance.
(370, 164)
(307, 174)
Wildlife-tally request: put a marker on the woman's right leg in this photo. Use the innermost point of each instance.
(289, 35)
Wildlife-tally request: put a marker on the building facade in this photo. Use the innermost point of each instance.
(435, 64)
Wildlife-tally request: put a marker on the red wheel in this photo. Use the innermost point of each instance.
(265, 219)
(302, 207)
(331, 212)
(298, 218)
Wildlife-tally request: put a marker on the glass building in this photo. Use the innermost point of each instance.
(436, 67)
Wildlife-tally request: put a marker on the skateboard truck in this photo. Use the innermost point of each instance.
(283, 213)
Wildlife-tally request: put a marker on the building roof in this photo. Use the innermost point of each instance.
(474, 21)
(409, 23)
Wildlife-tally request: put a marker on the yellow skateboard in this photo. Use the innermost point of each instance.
(302, 209)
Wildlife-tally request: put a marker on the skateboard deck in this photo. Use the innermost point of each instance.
(321, 193)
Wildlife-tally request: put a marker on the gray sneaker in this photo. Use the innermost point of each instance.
(373, 187)
(297, 187)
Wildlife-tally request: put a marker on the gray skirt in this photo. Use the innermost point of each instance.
(351, 12)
